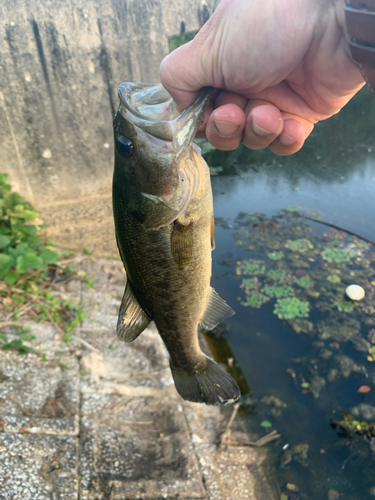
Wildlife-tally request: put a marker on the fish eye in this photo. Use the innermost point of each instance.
(124, 146)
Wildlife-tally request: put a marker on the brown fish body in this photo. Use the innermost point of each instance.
(166, 249)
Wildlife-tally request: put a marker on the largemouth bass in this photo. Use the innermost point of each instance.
(163, 211)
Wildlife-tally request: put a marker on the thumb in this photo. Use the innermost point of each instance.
(181, 74)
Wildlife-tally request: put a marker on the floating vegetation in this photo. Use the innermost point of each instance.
(300, 245)
(307, 280)
(336, 255)
(278, 291)
(251, 267)
(349, 425)
(255, 300)
(276, 255)
(290, 308)
(344, 305)
(304, 282)
(304, 264)
(333, 278)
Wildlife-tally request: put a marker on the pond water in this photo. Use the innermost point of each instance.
(291, 234)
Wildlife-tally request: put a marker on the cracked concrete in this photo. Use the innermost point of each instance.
(101, 419)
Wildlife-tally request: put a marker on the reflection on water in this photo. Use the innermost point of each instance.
(303, 371)
(334, 173)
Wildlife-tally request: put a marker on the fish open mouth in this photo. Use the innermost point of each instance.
(150, 107)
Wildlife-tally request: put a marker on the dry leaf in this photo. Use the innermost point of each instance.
(364, 388)
(333, 495)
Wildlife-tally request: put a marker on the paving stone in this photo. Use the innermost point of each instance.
(38, 467)
(143, 362)
(38, 396)
(138, 438)
(234, 473)
(136, 447)
(205, 422)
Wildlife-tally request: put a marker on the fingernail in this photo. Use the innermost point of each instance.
(258, 130)
(226, 129)
(286, 140)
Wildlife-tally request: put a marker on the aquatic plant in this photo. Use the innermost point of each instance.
(249, 284)
(251, 267)
(371, 356)
(301, 264)
(292, 208)
(278, 292)
(336, 255)
(276, 274)
(350, 425)
(300, 245)
(333, 278)
(275, 255)
(344, 305)
(291, 307)
(255, 299)
(304, 282)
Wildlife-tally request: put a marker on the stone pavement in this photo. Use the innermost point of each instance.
(101, 419)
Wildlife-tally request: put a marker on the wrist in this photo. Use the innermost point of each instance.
(360, 32)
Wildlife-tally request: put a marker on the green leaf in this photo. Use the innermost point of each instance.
(90, 282)
(266, 424)
(4, 337)
(49, 256)
(21, 249)
(18, 345)
(29, 261)
(292, 208)
(4, 241)
(305, 385)
(11, 277)
(29, 230)
(4, 259)
(30, 215)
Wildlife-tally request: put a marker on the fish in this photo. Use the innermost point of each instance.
(165, 231)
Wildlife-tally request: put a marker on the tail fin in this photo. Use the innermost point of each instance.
(208, 384)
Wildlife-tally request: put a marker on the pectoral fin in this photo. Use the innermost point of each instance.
(182, 244)
(216, 312)
(212, 233)
(132, 319)
(158, 214)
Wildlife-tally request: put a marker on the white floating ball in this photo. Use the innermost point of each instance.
(355, 292)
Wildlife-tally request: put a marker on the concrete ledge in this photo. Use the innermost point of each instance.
(102, 419)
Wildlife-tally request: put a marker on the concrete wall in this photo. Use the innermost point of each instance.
(61, 62)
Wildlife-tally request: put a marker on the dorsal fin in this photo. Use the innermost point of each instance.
(216, 312)
(132, 319)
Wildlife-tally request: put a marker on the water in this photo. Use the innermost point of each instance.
(333, 180)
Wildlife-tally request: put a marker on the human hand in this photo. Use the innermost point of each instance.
(281, 66)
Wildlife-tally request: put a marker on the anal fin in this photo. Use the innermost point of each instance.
(216, 312)
(132, 319)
